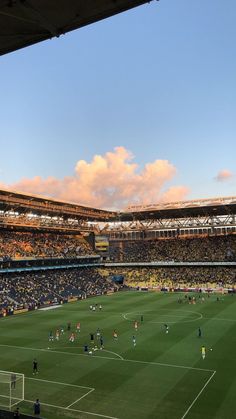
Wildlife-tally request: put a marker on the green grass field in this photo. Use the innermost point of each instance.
(162, 377)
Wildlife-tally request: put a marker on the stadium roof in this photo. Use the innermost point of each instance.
(21, 203)
(181, 209)
(26, 22)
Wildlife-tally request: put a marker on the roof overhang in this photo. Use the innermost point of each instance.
(24, 203)
(184, 209)
(26, 22)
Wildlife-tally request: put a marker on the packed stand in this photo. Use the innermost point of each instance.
(17, 245)
(210, 248)
(178, 277)
(30, 290)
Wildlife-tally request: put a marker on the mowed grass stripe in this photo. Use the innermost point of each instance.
(141, 373)
(114, 379)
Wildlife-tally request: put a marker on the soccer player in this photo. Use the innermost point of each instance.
(100, 307)
(16, 413)
(199, 332)
(101, 342)
(98, 334)
(92, 338)
(78, 327)
(72, 337)
(35, 366)
(115, 335)
(203, 350)
(69, 326)
(50, 337)
(86, 348)
(134, 340)
(62, 330)
(136, 325)
(167, 328)
(37, 407)
(57, 334)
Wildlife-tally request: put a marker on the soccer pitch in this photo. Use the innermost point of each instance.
(162, 377)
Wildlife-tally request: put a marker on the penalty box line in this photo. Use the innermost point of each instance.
(90, 389)
(73, 410)
(80, 398)
(60, 383)
(109, 358)
(198, 395)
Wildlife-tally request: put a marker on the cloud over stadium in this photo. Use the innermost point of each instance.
(112, 180)
(224, 175)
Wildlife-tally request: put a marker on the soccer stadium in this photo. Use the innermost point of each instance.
(117, 287)
(115, 308)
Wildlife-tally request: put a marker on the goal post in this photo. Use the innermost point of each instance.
(12, 388)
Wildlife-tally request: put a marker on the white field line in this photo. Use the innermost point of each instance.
(15, 403)
(114, 353)
(57, 382)
(198, 395)
(104, 357)
(200, 316)
(57, 352)
(73, 410)
(95, 350)
(13, 398)
(167, 365)
(76, 401)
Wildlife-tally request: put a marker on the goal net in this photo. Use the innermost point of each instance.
(11, 388)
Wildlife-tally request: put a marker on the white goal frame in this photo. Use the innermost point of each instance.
(12, 388)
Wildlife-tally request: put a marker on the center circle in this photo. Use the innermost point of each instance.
(175, 317)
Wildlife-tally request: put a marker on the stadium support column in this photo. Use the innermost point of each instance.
(90, 238)
(233, 220)
(121, 250)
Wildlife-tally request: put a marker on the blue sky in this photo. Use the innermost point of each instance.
(159, 80)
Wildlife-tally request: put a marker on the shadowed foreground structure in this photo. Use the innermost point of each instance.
(26, 22)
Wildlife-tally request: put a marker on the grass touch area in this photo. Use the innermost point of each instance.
(163, 377)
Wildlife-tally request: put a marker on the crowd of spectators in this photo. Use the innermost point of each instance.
(209, 248)
(20, 245)
(34, 289)
(37, 288)
(17, 245)
(178, 277)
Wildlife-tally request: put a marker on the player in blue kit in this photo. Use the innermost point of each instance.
(134, 340)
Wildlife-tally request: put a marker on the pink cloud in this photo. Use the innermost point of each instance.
(175, 193)
(112, 180)
(224, 175)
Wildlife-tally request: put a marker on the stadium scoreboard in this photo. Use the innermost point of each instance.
(101, 243)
